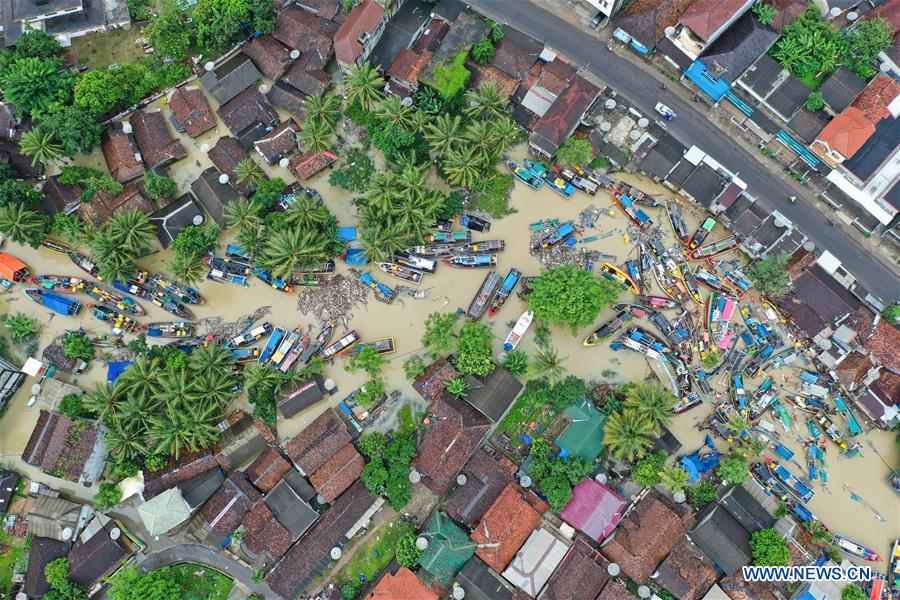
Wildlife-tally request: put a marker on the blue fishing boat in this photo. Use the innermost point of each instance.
(116, 319)
(155, 297)
(471, 261)
(635, 273)
(235, 252)
(274, 340)
(168, 329)
(181, 293)
(509, 284)
(272, 281)
(554, 181)
(245, 354)
(853, 426)
(526, 176)
(448, 237)
(558, 234)
(795, 486)
(223, 271)
(287, 343)
(382, 292)
(762, 398)
(59, 304)
(637, 216)
(774, 443)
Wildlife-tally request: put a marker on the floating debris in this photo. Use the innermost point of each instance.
(218, 328)
(335, 301)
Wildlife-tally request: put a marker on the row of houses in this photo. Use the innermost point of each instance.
(61, 19)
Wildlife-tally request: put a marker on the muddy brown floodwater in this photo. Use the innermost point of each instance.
(451, 289)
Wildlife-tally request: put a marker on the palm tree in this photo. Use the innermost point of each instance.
(394, 112)
(142, 379)
(654, 402)
(179, 390)
(117, 267)
(202, 421)
(104, 401)
(383, 242)
(462, 167)
(252, 240)
(548, 365)
(130, 230)
(124, 440)
(242, 214)
(478, 136)
(249, 173)
(418, 123)
(260, 377)
(364, 85)
(625, 434)
(457, 387)
(411, 219)
(504, 132)
(21, 225)
(211, 358)
(138, 412)
(444, 134)
(305, 213)
(41, 145)
(288, 250)
(326, 109)
(487, 102)
(169, 432)
(516, 362)
(382, 191)
(187, 267)
(674, 478)
(401, 161)
(216, 386)
(316, 136)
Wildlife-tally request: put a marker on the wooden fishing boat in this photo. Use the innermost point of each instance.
(711, 281)
(294, 354)
(337, 348)
(275, 339)
(518, 331)
(526, 176)
(443, 225)
(287, 343)
(471, 261)
(245, 354)
(448, 237)
(643, 342)
(637, 195)
(543, 224)
(155, 297)
(222, 276)
(691, 283)
(316, 346)
(833, 432)
(168, 329)
(324, 267)
(608, 329)
(878, 588)
(182, 293)
(619, 276)
(382, 292)
(581, 184)
(61, 284)
(418, 263)
(668, 331)
(634, 272)
(401, 272)
(714, 248)
(475, 223)
(556, 235)
(236, 253)
(84, 262)
(762, 397)
(272, 281)
(432, 250)
(795, 486)
(250, 335)
(484, 247)
(855, 549)
(778, 409)
(111, 299)
(554, 182)
(664, 258)
(702, 232)
(657, 302)
(894, 572)
(63, 305)
(115, 318)
(506, 288)
(637, 216)
(311, 279)
(809, 405)
(489, 287)
(739, 393)
(676, 218)
(383, 346)
(853, 426)
(56, 246)
(685, 403)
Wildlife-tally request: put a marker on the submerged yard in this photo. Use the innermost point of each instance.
(201, 583)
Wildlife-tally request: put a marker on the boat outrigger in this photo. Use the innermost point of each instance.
(489, 287)
(855, 549)
(418, 263)
(509, 284)
(471, 261)
(518, 331)
(614, 273)
(250, 335)
(401, 272)
(111, 299)
(554, 182)
(337, 348)
(608, 329)
(795, 486)
(526, 176)
(63, 305)
(168, 329)
(485, 247)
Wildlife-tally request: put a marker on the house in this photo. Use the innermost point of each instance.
(59, 197)
(11, 126)
(645, 537)
(700, 25)
(686, 573)
(479, 582)
(191, 111)
(174, 217)
(304, 560)
(103, 205)
(401, 585)
(279, 142)
(225, 155)
(582, 573)
(288, 99)
(430, 384)
(100, 550)
(57, 518)
(338, 473)
(879, 399)
(307, 81)
(484, 477)
(164, 512)
(816, 301)
(242, 439)
(297, 397)
(463, 29)
(583, 437)
(843, 136)
(563, 116)
(231, 78)
(302, 30)
(43, 552)
(8, 483)
(840, 90)
(327, 9)
(268, 469)
(65, 448)
(516, 53)
(198, 489)
(401, 31)
(494, 394)
(265, 538)
(550, 81)
(358, 35)
(807, 125)
(158, 148)
(123, 159)
(506, 526)
(774, 87)
(308, 164)
(11, 379)
(643, 23)
(536, 560)
(704, 185)
(224, 511)
(176, 471)
(248, 115)
(882, 344)
(214, 193)
(491, 75)
(269, 55)
(615, 590)
(890, 12)
(62, 19)
(594, 509)
(312, 447)
(449, 548)
(277, 522)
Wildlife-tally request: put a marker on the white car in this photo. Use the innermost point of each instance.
(666, 112)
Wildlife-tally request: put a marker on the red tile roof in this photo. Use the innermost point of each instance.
(225, 155)
(312, 447)
(408, 66)
(646, 20)
(582, 573)
(507, 523)
(786, 12)
(486, 477)
(269, 55)
(103, 205)
(883, 345)
(338, 473)
(887, 386)
(303, 31)
(875, 99)
(157, 145)
(403, 585)
(51, 448)
(706, 17)
(614, 590)
(310, 163)
(268, 469)
(687, 573)
(177, 471)
(192, 111)
(279, 142)
(563, 116)
(365, 18)
(123, 159)
(847, 132)
(264, 533)
(852, 369)
(430, 384)
(226, 508)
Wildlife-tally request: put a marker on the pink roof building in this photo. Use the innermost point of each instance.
(594, 509)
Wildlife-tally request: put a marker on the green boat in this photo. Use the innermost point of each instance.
(853, 426)
(813, 429)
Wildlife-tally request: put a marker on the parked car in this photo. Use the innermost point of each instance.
(598, 18)
(667, 113)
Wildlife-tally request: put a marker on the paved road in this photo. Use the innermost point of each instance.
(694, 127)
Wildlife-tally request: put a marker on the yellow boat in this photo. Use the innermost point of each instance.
(614, 273)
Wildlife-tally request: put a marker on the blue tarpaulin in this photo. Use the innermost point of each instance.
(709, 84)
(347, 233)
(355, 257)
(114, 369)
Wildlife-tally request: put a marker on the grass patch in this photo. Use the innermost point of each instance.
(12, 549)
(405, 416)
(811, 81)
(212, 585)
(370, 558)
(99, 51)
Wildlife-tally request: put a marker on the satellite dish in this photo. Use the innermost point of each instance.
(601, 478)
(408, 101)
(197, 220)
(330, 384)
(778, 223)
(421, 542)
(610, 104)
(525, 481)
(679, 497)
(835, 11)
(36, 389)
(605, 126)
(613, 569)
(670, 31)
(295, 54)
(643, 122)
(223, 178)
(204, 148)
(852, 16)
(67, 533)
(809, 246)
(826, 345)
(634, 134)
(263, 88)
(321, 499)
(414, 476)
(461, 479)
(126, 128)
(643, 592)
(884, 67)
(209, 66)
(115, 533)
(283, 163)
(458, 593)
(336, 553)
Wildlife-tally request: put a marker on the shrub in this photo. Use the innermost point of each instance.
(769, 549)
(77, 345)
(815, 101)
(407, 553)
(702, 493)
(450, 79)
(483, 51)
(107, 496)
(574, 153)
(72, 406)
(646, 472)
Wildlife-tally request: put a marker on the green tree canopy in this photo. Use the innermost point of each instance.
(475, 351)
(764, 12)
(770, 276)
(77, 130)
(217, 23)
(440, 333)
(574, 153)
(407, 553)
(733, 470)
(33, 84)
(852, 592)
(77, 345)
(160, 186)
(570, 296)
(646, 471)
(483, 51)
(369, 360)
(769, 549)
(170, 36)
(155, 585)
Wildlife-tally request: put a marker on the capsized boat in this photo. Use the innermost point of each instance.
(489, 287)
(111, 299)
(382, 292)
(614, 273)
(294, 354)
(509, 284)
(84, 262)
(63, 305)
(702, 232)
(471, 261)
(250, 335)
(485, 247)
(115, 318)
(714, 248)
(418, 263)
(855, 549)
(676, 218)
(518, 331)
(795, 486)
(337, 348)
(316, 346)
(168, 329)
(608, 329)
(557, 235)
(526, 176)
(61, 284)
(269, 349)
(448, 237)
(382, 346)
(475, 223)
(554, 182)
(401, 272)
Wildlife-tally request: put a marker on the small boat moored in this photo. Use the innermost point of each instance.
(115, 318)
(471, 261)
(61, 284)
(316, 346)
(59, 304)
(250, 335)
(383, 346)
(485, 247)
(518, 331)
(608, 329)
(489, 287)
(855, 549)
(474, 223)
(526, 176)
(401, 272)
(168, 329)
(509, 284)
(340, 346)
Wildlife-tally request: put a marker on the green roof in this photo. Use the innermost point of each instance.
(449, 548)
(583, 438)
(164, 512)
